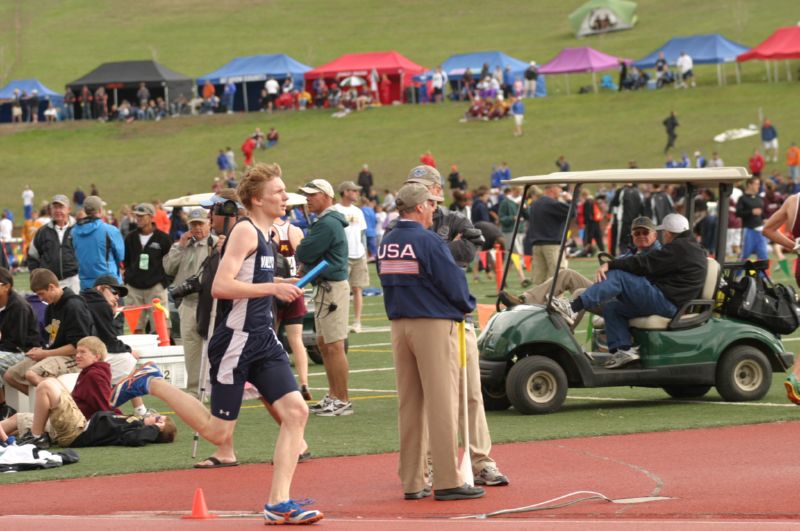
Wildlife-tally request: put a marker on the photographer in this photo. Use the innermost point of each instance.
(225, 209)
(184, 260)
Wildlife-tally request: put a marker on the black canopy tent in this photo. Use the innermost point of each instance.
(122, 79)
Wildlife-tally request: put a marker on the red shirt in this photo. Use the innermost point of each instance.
(756, 163)
(93, 389)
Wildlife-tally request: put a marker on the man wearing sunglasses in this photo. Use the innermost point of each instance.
(326, 240)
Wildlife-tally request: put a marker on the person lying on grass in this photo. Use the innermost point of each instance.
(107, 429)
(58, 415)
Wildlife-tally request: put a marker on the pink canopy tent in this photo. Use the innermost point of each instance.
(784, 43)
(583, 59)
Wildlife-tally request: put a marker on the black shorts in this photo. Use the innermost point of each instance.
(238, 357)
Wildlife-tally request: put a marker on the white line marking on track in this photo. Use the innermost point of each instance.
(371, 345)
(380, 369)
(754, 404)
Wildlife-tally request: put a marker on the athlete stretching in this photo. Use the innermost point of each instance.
(244, 347)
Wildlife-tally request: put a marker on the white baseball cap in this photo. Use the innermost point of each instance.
(674, 223)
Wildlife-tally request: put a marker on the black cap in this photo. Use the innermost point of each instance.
(112, 282)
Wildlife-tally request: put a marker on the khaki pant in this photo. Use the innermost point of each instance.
(331, 325)
(426, 371)
(568, 280)
(480, 442)
(64, 422)
(544, 262)
(192, 345)
(137, 297)
(53, 366)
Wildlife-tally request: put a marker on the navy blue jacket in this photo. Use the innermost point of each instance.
(420, 279)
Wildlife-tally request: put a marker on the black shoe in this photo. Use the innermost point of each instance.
(509, 300)
(42, 442)
(424, 493)
(464, 492)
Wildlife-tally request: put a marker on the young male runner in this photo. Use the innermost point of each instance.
(244, 347)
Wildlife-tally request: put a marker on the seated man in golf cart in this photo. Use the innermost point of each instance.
(645, 239)
(656, 283)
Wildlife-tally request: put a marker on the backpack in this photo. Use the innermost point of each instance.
(756, 299)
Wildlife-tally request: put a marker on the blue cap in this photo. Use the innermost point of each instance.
(216, 199)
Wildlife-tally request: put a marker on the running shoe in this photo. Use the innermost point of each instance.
(336, 408)
(291, 512)
(491, 477)
(464, 492)
(622, 357)
(562, 307)
(137, 384)
(322, 404)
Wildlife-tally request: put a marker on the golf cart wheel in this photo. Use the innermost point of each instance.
(687, 391)
(495, 397)
(536, 385)
(743, 374)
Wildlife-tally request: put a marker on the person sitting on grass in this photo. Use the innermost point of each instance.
(102, 302)
(19, 331)
(67, 320)
(59, 415)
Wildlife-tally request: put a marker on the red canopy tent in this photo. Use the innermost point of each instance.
(399, 70)
(783, 44)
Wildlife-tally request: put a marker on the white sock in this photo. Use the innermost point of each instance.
(140, 410)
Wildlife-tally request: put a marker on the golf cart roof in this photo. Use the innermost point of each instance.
(699, 177)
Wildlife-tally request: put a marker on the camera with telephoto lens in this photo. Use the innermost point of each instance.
(228, 209)
(187, 287)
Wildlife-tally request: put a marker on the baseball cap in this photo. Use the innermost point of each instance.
(349, 185)
(413, 194)
(112, 282)
(674, 223)
(61, 199)
(643, 222)
(145, 209)
(226, 194)
(316, 186)
(93, 205)
(197, 215)
(424, 174)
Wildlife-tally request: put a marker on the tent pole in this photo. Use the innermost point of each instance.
(788, 70)
(719, 75)
(244, 94)
(115, 99)
(738, 73)
(777, 72)
(769, 72)
(166, 95)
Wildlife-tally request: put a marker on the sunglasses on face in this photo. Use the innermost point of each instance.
(644, 232)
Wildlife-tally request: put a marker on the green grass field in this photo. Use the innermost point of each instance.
(142, 161)
(373, 427)
(58, 42)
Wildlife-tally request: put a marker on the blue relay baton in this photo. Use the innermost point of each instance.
(311, 275)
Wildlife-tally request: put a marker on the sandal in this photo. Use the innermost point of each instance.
(215, 463)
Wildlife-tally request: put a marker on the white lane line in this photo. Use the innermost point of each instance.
(755, 404)
(380, 369)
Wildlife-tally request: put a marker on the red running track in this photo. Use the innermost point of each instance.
(739, 477)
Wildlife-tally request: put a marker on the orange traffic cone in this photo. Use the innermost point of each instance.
(199, 508)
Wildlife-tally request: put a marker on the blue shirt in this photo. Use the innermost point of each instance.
(419, 277)
(518, 107)
(372, 221)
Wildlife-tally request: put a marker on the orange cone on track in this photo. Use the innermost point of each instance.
(199, 508)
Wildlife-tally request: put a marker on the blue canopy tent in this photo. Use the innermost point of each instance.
(456, 65)
(703, 49)
(251, 72)
(26, 87)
